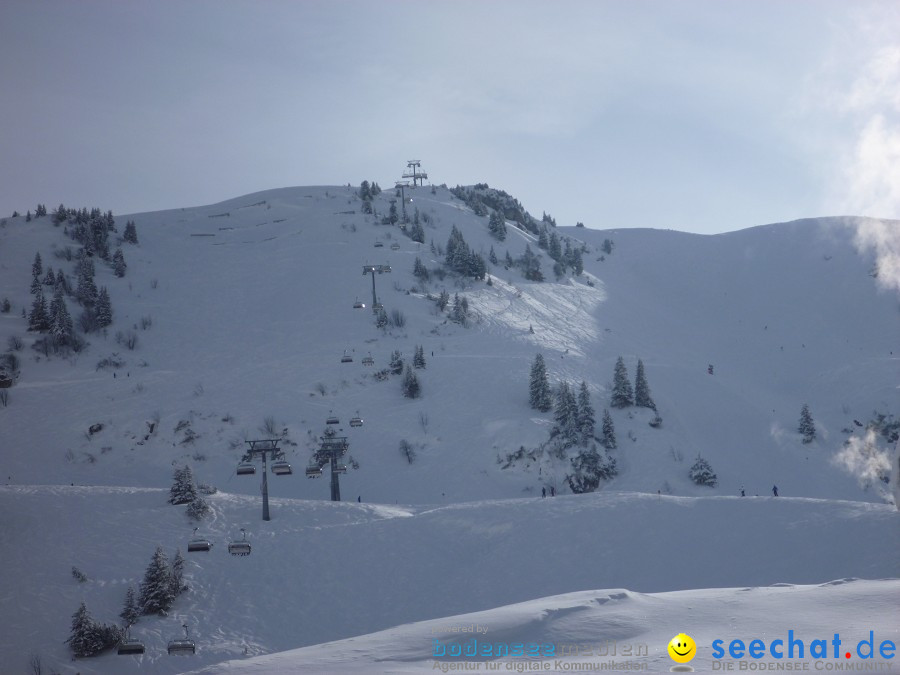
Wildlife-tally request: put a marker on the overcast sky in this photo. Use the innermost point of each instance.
(698, 115)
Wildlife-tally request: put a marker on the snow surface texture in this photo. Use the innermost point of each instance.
(250, 303)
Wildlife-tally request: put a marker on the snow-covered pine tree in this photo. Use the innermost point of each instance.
(38, 319)
(554, 248)
(443, 300)
(492, 256)
(183, 490)
(807, 426)
(396, 362)
(586, 420)
(566, 414)
(702, 474)
(589, 468)
(411, 387)
(50, 277)
(608, 439)
(539, 387)
(119, 265)
(178, 585)
(103, 309)
(419, 270)
(622, 394)
(85, 639)
(37, 268)
(156, 588)
(416, 232)
(642, 396)
(419, 357)
(198, 509)
(497, 225)
(87, 290)
(61, 327)
(61, 281)
(35, 285)
(531, 265)
(130, 233)
(130, 611)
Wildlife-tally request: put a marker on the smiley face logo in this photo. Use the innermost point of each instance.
(682, 648)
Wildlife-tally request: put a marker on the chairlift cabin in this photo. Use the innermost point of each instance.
(378, 244)
(313, 471)
(280, 467)
(386, 268)
(340, 468)
(356, 421)
(246, 469)
(332, 420)
(395, 246)
(198, 544)
(130, 646)
(240, 547)
(359, 305)
(182, 645)
(368, 360)
(378, 305)
(346, 358)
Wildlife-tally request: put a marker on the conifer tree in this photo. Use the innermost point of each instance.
(508, 261)
(130, 233)
(416, 232)
(130, 612)
(554, 248)
(622, 394)
(35, 285)
(87, 290)
(183, 490)
(37, 268)
(608, 439)
(586, 420)
(492, 257)
(61, 281)
(411, 387)
(531, 266)
(419, 270)
(702, 474)
(419, 357)
(396, 362)
(85, 638)
(566, 414)
(497, 225)
(198, 509)
(38, 319)
(156, 588)
(807, 427)
(61, 327)
(103, 309)
(49, 278)
(119, 265)
(539, 388)
(178, 584)
(642, 396)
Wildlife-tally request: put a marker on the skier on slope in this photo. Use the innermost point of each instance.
(775, 490)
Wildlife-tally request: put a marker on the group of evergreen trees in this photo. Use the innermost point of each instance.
(497, 226)
(460, 258)
(161, 585)
(622, 393)
(482, 197)
(415, 231)
(55, 320)
(368, 192)
(184, 491)
(563, 257)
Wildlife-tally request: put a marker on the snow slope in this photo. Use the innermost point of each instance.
(321, 571)
(242, 311)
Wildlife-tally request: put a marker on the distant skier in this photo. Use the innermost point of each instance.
(775, 490)
(359, 499)
(543, 492)
(742, 491)
(552, 491)
(709, 369)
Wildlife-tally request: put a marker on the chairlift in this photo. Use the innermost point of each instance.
(246, 469)
(395, 246)
(281, 468)
(130, 645)
(368, 361)
(356, 421)
(359, 305)
(346, 358)
(198, 543)
(313, 471)
(340, 468)
(386, 268)
(182, 646)
(241, 547)
(378, 244)
(332, 420)
(378, 305)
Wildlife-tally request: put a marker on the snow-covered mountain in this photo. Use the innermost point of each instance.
(242, 312)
